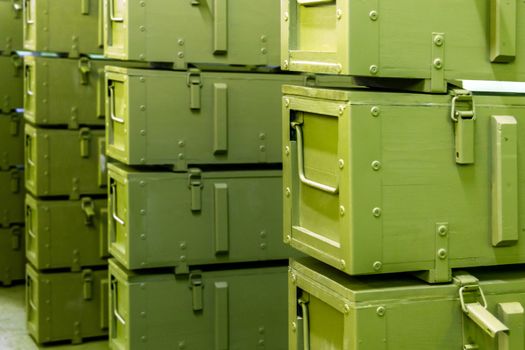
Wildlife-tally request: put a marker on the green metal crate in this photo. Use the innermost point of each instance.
(11, 88)
(11, 140)
(66, 233)
(220, 32)
(11, 25)
(62, 91)
(63, 306)
(12, 257)
(181, 118)
(481, 309)
(378, 182)
(200, 217)
(64, 26)
(65, 162)
(220, 309)
(430, 40)
(12, 193)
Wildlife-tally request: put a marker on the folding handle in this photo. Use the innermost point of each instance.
(112, 111)
(306, 323)
(220, 26)
(84, 7)
(313, 2)
(103, 230)
(221, 218)
(220, 118)
(112, 16)
(222, 326)
(29, 296)
(27, 7)
(113, 192)
(503, 31)
(28, 81)
(300, 163)
(114, 301)
(29, 222)
(29, 152)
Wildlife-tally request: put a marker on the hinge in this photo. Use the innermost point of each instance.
(84, 66)
(474, 305)
(85, 138)
(194, 82)
(195, 185)
(463, 115)
(88, 207)
(14, 125)
(87, 287)
(15, 181)
(196, 287)
(16, 237)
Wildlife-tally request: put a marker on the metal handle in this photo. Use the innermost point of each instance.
(114, 300)
(112, 111)
(300, 163)
(29, 222)
(313, 2)
(113, 190)
(220, 26)
(28, 18)
(29, 152)
(306, 326)
(112, 12)
(28, 81)
(29, 298)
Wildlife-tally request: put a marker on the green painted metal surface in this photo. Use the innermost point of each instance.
(425, 40)
(11, 89)
(481, 309)
(72, 27)
(11, 140)
(64, 306)
(178, 219)
(378, 182)
(10, 26)
(12, 257)
(65, 162)
(66, 233)
(215, 118)
(226, 32)
(12, 193)
(221, 309)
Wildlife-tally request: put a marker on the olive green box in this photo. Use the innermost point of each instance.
(217, 32)
(62, 162)
(11, 88)
(64, 91)
(12, 257)
(241, 308)
(378, 182)
(12, 194)
(63, 26)
(66, 306)
(480, 309)
(181, 118)
(199, 217)
(66, 233)
(430, 40)
(11, 26)
(11, 140)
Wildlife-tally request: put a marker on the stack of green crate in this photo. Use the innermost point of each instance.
(378, 180)
(194, 211)
(66, 204)
(12, 261)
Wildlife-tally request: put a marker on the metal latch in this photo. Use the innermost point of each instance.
(196, 287)
(476, 310)
(84, 66)
(17, 7)
(195, 185)
(14, 125)
(15, 181)
(16, 237)
(17, 64)
(87, 288)
(88, 207)
(85, 138)
(194, 82)
(463, 115)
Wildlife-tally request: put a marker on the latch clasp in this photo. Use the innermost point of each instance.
(195, 185)
(88, 207)
(196, 286)
(194, 82)
(463, 115)
(84, 66)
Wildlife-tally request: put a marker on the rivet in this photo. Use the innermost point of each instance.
(287, 150)
(438, 64)
(143, 4)
(342, 210)
(143, 338)
(294, 326)
(182, 245)
(142, 79)
(442, 253)
(262, 136)
(181, 143)
(142, 212)
(341, 109)
(346, 308)
(142, 108)
(261, 342)
(182, 345)
(286, 16)
(377, 265)
(142, 132)
(180, 54)
(142, 57)
(180, 156)
(377, 212)
(180, 42)
(142, 28)
(287, 191)
(263, 234)
(373, 69)
(375, 111)
(288, 238)
(262, 148)
(341, 163)
(143, 236)
(339, 14)
(438, 40)
(287, 102)
(142, 314)
(264, 51)
(380, 311)
(373, 15)
(142, 183)
(264, 38)
(262, 246)
(294, 278)
(143, 160)
(343, 264)
(376, 165)
(182, 258)
(442, 229)
(285, 64)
